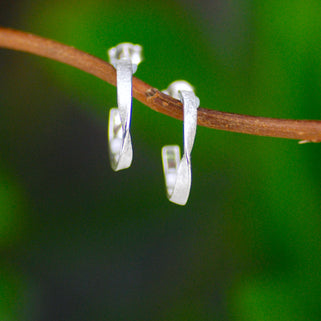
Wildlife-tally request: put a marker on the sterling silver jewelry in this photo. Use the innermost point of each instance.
(125, 57)
(178, 173)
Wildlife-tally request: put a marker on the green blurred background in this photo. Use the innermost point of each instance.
(80, 242)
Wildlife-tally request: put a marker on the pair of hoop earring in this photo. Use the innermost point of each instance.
(177, 172)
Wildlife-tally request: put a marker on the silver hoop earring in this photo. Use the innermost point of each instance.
(178, 173)
(125, 57)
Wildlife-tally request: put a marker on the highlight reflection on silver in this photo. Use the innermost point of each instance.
(178, 173)
(125, 58)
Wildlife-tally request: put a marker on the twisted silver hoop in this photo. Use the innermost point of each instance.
(178, 173)
(125, 57)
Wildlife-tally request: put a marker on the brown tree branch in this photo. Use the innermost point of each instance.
(304, 130)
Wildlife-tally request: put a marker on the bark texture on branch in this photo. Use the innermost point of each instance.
(304, 130)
